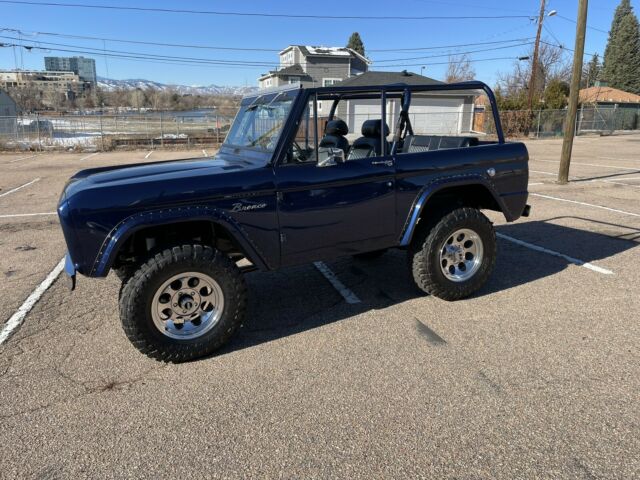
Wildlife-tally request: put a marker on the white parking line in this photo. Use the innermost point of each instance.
(588, 164)
(544, 173)
(22, 158)
(148, 154)
(569, 259)
(89, 156)
(20, 187)
(536, 183)
(204, 152)
(586, 204)
(17, 318)
(618, 158)
(347, 294)
(580, 178)
(14, 215)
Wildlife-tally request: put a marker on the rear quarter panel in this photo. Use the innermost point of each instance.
(419, 175)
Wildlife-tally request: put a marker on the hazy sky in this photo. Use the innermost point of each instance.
(276, 33)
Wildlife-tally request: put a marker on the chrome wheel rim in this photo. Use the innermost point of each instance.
(461, 255)
(187, 305)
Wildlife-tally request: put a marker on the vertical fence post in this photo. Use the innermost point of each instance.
(101, 130)
(580, 118)
(161, 131)
(217, 129)
(538, 127)
(38, 127)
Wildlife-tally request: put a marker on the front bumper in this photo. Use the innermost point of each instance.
(70, 270)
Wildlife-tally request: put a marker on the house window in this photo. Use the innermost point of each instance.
(327, 82)
(294, 79)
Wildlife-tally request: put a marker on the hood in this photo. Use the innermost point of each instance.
(157, 184)
(155, 170)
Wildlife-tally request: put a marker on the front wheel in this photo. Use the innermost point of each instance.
(455, 257)
(183, 304)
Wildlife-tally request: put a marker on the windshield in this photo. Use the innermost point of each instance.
(259, 122)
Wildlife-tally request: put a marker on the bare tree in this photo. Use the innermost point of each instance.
(459, 69)
(552, 65)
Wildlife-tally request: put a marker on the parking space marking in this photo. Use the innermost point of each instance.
(586, 204)
(89, 156)
(544, 173)
(579, 179)
(15, 215)
(204, 152)
(20, 187)
(148, 154)
(537, 248)
(23, 158)
(588, 164)
(536, 183)
(17, 318)
(347, 294)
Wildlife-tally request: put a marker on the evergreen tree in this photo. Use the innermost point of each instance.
(591, 72)
(355, 43)
(555, 95)
(622, 56)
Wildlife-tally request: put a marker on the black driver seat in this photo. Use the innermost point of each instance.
(369, 144)
(334, 135)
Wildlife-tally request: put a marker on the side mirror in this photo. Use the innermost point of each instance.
(337, 155)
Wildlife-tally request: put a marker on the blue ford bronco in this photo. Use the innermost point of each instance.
(305, 174)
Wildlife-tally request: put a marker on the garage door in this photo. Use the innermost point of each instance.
(361, 110)
(436, 116)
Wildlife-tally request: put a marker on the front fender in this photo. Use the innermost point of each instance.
(127, 227)
(440, 184)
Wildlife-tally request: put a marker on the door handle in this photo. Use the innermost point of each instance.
(386, 163)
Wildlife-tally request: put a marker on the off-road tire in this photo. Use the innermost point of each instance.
(125, 273)
(371, 255)
(424, 253)
(137, 296)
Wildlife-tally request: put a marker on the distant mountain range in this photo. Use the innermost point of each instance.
(110, 85)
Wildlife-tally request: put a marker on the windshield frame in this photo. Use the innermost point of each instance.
(261, 100)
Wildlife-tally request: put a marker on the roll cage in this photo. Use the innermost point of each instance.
(383, 92)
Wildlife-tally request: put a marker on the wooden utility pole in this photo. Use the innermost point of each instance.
(534, 62)
(572, 109)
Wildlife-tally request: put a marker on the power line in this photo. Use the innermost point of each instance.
(588, 26)
(258, 14)
(226, 62)
(447, 63)
(210, 65)
(140, 42)
(456, 53)
(249, 49)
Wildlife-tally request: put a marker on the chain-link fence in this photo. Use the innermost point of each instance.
(168, 129)
(550, 123)
(106, 132)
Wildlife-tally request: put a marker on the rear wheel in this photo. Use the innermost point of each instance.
(455, 257)
(184, 303)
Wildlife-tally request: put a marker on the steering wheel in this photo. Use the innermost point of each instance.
(298, 153)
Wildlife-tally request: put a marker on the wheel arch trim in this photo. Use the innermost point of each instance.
(429, 190)
(127, 227)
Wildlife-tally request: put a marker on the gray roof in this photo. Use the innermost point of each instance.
(387, 78)
(294, 69)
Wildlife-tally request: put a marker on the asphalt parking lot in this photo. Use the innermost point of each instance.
(537, 376)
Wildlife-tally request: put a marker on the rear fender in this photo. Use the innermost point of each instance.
(434, 187)
(127, 227)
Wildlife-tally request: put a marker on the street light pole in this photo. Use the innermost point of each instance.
(572, 109)
(534, 63)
